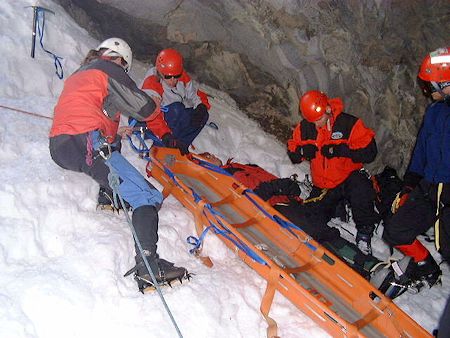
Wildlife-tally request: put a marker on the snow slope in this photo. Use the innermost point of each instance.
(62, 261)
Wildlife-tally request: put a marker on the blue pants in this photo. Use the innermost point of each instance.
(180, 121)
(133, 187)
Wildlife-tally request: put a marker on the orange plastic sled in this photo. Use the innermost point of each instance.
(317, 282)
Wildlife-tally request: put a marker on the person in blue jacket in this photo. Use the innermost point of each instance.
(425, 197)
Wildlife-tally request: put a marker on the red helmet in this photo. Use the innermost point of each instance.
(313, 105)
(169, 62)
(435, 70)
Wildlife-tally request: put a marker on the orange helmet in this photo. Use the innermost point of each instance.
(434, 73)
(313, 105)
(169, 62)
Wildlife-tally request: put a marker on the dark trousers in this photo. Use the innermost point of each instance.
(357, 190)
(418, 214)
(71, 152)
(311, 220)
(180, 121)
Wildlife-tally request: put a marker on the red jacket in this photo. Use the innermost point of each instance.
(345, 128)
(93, 99)
(184, 92)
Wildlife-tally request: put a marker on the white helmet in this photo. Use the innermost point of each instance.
(117, 47)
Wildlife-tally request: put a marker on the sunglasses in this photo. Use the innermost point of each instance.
(168, 77)
(428, 88)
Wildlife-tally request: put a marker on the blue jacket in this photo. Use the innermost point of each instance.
(431, 156)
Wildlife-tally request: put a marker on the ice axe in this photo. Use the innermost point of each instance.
(36, 10)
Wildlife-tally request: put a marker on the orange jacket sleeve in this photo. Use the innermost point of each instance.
(361, 136)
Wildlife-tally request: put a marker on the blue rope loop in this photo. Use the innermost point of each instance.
(197, 242)
(41, 18)
(225, 232)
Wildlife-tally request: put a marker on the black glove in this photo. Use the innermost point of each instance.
(170, 141)
(336, 150)
(277, 187)
(286, 186)
(295, 156)
(199, 116)
(306, 152)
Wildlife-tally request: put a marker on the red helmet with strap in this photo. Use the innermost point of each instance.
(313, 105)
(434, 73)
(169, 62)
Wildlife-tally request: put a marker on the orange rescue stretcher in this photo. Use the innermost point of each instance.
(316, 281)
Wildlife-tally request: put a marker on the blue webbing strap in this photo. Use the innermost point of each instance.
(197, 242)
(225, 232)
(212, 167)
(41, 17)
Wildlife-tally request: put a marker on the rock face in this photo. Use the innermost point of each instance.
(266, 53)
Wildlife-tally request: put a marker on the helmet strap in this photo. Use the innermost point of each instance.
(437, 87)
(446, 97)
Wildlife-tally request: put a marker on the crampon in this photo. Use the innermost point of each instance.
(146, 285)
(415, 286)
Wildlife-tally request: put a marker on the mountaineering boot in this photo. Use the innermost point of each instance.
(405, 274)
(363, 241)
(425, 273)
(391, 278)
(105, 200)
(164, 271)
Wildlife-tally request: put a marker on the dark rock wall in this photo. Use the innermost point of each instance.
(264, 53)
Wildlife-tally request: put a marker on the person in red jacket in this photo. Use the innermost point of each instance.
(337, 144)
(183, 107)
(84, 138)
